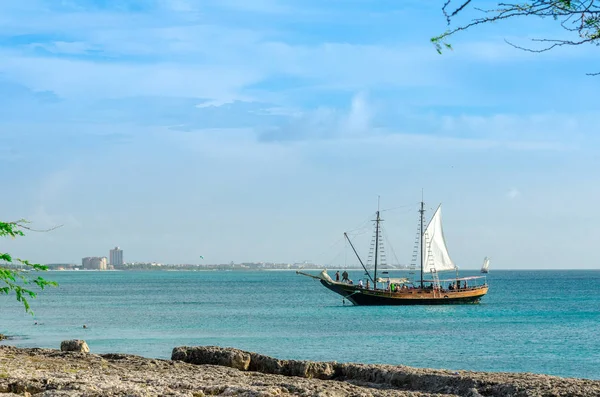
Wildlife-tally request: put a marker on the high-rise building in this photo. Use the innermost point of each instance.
(94, 262)
(116, 257)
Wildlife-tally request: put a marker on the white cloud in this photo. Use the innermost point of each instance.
(85, 79)
(551, 132)
(224, 70)
(214, 103)
(326, 123)
(543, 131)
(360, 115)
(156, 54)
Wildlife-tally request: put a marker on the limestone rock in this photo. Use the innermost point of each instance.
(310, 369)
(74, 345)
(213, 355)
(246, 361)
(266, 364)
(444, 382)
(303, 369)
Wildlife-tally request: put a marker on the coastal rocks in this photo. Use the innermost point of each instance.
(303, 369)
(213, 355)
(2, 337)
(402, 378)
(407, 378)
(74, 345)
(246, 361)
(51, 373)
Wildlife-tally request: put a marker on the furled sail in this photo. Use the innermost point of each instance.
(434, 250)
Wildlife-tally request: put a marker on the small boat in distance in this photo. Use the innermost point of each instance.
(486, 265)
(434, 259)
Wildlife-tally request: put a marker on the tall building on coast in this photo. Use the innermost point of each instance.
(116, 257)
(94, 263)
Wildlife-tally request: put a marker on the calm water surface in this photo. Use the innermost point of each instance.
(531, 321)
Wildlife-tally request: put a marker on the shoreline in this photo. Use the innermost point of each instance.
(208, 370)
(23, 342)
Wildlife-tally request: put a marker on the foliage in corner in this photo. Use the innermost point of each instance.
(15, 279)
(580, 20)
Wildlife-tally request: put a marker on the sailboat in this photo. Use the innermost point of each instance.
(434, 259)
(486, 265)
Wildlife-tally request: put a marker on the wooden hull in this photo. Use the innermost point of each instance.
(363, 297)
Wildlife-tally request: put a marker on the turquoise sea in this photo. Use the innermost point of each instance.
(531, 321)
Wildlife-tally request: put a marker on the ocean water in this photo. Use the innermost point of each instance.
(530, 321)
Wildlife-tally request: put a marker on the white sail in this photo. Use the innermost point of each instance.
(434, 250)
(486, 265)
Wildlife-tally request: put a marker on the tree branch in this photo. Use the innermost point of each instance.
(21, 224)
(16, 280)
(583, 16)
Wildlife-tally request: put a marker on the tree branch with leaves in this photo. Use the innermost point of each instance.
(580, 20)
(13, 277)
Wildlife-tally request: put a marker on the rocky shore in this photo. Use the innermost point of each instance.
(211, 371)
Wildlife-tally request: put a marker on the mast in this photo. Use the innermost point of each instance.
(377, 220)
(422, 211)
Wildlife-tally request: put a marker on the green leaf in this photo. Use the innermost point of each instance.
(14, 278)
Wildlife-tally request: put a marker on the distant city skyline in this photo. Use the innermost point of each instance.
(262, 130)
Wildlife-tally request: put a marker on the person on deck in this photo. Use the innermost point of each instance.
(345, 276)
(337, 276)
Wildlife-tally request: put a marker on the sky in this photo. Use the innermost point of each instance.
(261, 130)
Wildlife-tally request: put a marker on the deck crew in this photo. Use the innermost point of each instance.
(345, 276)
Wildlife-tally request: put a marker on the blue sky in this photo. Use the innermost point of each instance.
(260, 130)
